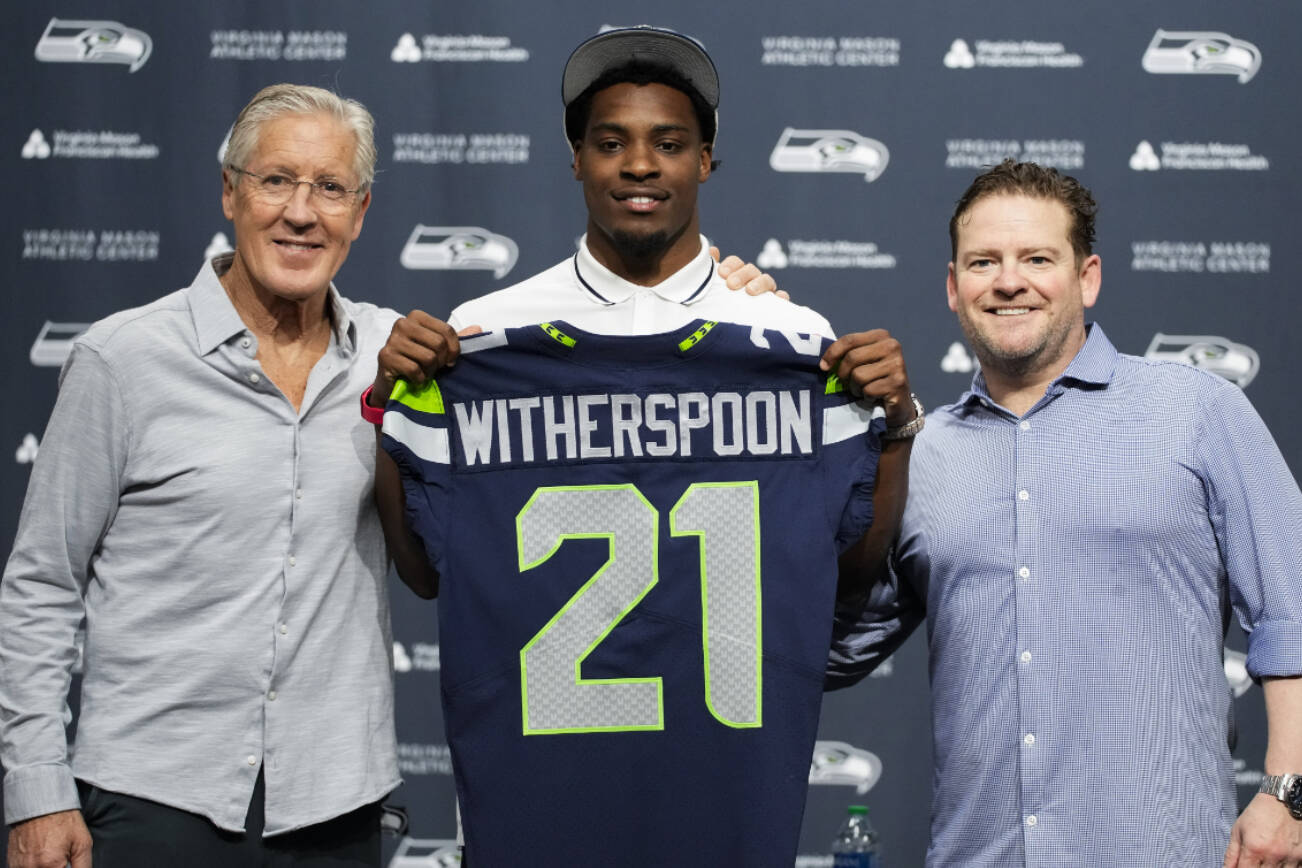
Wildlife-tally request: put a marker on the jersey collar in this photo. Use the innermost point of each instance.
(685, 286)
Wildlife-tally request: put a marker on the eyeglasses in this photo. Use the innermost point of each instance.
(277, 189)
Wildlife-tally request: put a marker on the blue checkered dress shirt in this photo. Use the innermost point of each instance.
(1078, 567)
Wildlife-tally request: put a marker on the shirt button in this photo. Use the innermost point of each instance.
(1026, 656)
(246, 342)
(298, 494)
(1025, 426)
(253, 761)
(284, 628)
(1024, 572)
(1032, 820)
(292, 560)
(1023, 495)
(1029, 739)
(271, 695)
(255, 378)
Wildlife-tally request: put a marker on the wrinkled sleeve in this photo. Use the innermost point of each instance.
(860, 467)
(865, 634)
(1256, 514)
(72, 497)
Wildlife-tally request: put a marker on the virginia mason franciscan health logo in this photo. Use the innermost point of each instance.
(76, 41)
(829, 151)
(89, 145)
(821, 253)
(36, 147)
(1201, 52)
(1010, 53)
(1199, 156)
(457, 48)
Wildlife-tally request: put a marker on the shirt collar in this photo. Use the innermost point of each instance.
(685, 286)
(216, 321)
(1092, 365)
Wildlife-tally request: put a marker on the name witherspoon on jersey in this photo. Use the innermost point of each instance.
(550, 428)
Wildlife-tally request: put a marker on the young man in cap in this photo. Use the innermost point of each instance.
(641, 117)
(662, 784)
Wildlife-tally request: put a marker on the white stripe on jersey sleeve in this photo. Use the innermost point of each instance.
(430, 444)
(844, 422)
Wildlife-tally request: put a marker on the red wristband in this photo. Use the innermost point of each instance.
(374, 415)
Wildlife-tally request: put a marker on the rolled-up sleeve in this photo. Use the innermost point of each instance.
(1256, 512)
(865, 634)
(71, 500)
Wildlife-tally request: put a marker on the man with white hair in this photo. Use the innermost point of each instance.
(202, 463)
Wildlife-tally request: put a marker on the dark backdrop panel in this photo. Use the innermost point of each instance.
(113, 184)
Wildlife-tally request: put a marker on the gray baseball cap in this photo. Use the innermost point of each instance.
(656, 45)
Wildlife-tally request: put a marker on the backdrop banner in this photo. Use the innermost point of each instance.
(847, 132)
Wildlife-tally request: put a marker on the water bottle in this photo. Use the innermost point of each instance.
(856, 845)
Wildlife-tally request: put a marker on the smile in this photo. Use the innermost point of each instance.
(639, 203)
(298, 245)
(1011, 311)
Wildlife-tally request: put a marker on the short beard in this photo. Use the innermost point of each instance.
(992, 355)
(644, 247)
(1016, 364)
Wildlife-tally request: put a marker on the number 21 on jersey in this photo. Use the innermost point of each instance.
(724, 516)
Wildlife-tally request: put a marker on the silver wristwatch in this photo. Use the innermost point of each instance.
(1286, 788)
(910, 428)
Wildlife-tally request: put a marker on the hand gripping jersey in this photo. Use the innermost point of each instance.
(637, 539)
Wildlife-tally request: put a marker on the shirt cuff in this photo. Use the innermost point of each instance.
(33, 791)
(1274, 649)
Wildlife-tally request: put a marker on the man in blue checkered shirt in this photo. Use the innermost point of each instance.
(1080, 526)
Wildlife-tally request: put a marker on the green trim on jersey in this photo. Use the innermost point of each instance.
(425, 399)
(696, 337)
(557, 335)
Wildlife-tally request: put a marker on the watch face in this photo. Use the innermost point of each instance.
(1293, 798)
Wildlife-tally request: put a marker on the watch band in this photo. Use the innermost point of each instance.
(1287, 788)
(374, 415)
(910, 428)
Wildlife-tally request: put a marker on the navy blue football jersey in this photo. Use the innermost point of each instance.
(637, 539)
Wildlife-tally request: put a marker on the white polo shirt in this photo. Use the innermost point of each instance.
(584, 293)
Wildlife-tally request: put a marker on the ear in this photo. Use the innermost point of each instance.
(361, 215)
(703, 171)
(576, 148)
(228, 194)
(1091, 279)
(951, 288)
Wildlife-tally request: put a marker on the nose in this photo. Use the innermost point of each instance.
(1008, 279)
(300, 209)
(639, 162)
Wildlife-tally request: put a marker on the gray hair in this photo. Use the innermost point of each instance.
(279, 100)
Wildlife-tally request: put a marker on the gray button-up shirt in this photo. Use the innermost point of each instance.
(228, 560)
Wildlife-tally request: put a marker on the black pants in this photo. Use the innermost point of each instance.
(134, 833)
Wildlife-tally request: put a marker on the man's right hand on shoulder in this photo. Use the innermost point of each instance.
(50, 841)
(419, 345)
